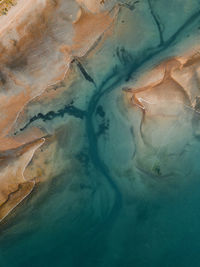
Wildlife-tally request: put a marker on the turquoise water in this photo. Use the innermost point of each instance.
(97, 212)
(164, 232)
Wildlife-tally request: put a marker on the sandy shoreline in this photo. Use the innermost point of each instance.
(28, 34)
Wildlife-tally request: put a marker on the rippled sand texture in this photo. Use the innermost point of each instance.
(99, 133)
(38, 43)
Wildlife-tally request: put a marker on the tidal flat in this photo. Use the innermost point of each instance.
(100, 133)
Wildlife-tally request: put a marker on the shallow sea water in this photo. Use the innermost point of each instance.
(163, 231)
(97, 212)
